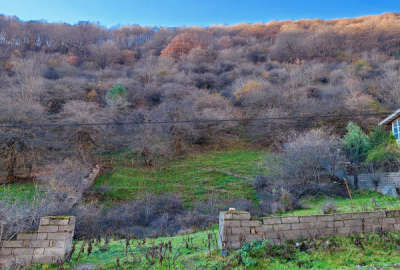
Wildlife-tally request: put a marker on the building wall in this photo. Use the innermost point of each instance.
(237, 227)
(50, 244)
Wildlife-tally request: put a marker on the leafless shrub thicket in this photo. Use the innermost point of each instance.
(307, 165)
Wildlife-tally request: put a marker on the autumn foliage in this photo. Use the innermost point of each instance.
(183, 43)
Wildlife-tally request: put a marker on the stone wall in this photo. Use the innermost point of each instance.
(51, 243)
(385, 183)
(237, 227)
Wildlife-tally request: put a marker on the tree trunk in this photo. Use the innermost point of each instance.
(11, 163)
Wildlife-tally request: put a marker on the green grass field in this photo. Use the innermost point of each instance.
(193, 178)
(362, 201)
(21, 192)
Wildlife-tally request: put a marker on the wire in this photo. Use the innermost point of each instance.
(193, 121)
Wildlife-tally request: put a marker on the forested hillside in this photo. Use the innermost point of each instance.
(85, 73)
(73, 96)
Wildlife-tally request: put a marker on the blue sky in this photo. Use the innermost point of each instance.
(190, 12)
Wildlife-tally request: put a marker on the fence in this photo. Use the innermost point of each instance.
(50, 244)
(237, 227)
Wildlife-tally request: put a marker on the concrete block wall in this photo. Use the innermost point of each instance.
(237, 227)
(50, 243)
(388, 179)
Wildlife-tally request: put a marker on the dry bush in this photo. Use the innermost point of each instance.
(310, 156)
(329, 208)
(18, 215)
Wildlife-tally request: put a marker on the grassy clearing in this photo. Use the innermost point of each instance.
(362, 201)
(22, 192)
(193, 178)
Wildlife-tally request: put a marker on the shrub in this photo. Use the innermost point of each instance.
(385, 156)
(310, 156)
(355, 143)
(380, 136)
(51, 74)
(329, 208)
(117, 96)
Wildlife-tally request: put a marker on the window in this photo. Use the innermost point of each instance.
(396, 128)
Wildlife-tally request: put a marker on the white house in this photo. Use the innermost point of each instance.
(394, 120)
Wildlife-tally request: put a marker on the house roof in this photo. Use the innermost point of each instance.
(390, 118)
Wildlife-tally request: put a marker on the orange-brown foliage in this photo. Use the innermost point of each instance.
(183, 43)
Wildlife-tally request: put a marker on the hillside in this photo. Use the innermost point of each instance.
(59, 74)
(185, 122)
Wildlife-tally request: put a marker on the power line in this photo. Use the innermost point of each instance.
(195, 121)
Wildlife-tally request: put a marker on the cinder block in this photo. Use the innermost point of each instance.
(293, 234)
(39, 243)
(59, 221)
(66, 228)
(44, 259)
(250, 223)
(326, 218)
(301, 226)
(373, 221)
(241, 230)
(54, 251)
(308, 219)
(282, 227)
(58, 236)
(327, 224)
(343, 216)
(272, 235)
(38, 251)
(44, 221)
(272, 221)
(389, 221)
(27, 236)
(41, 236)
(12, 244)
(388, 227)
(23, 251)
(5, 251)
(233, 238)
(232, 223)
(286, 220)
(227, 231)
(352, 222)
(241, 216)
(48, 228)
(23, 259)
(338, 223)
(376, 214)
(359, 215)
(372, 228)
(265, 228)
(254, 237)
